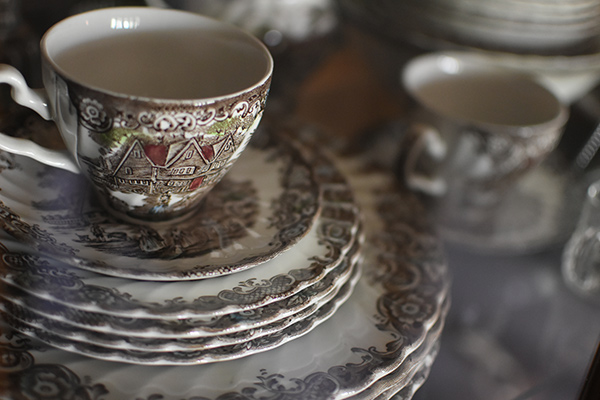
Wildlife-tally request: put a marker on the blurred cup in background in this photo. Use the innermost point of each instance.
(476, 130)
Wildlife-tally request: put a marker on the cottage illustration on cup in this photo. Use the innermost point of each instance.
(157, 169)
(171, 156)
(152, 126)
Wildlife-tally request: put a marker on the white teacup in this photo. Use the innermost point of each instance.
(479, 127)
(153, 105)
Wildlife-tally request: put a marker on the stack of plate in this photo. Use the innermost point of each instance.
(275, 252)
(528, 26)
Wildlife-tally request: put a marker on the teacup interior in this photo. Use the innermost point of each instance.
(481, 94)
(155, 53)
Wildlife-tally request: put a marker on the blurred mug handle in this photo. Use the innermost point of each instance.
(38, 102)
(420, 140)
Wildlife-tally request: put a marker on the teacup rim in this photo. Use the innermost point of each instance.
(264, 80)
(486, 65)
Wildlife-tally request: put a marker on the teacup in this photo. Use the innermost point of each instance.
(153, 105)
(476, 131)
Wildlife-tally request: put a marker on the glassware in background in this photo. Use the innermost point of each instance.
(581, 257)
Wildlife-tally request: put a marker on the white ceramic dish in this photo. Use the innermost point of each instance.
(393, 309)
(407, 390)
(196, 333)
(315, 255)
(407, 375)
(267, 204)
(401, 383)
(278, 279)
(144, 352)
(24, 315)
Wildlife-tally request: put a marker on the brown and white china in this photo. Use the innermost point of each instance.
(152, 125)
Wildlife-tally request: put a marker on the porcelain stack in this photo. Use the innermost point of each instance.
(180, 248)
(271, 263)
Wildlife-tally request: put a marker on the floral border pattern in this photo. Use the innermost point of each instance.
(409, 267)
(23, 321)
(199, 331)
(292, 215)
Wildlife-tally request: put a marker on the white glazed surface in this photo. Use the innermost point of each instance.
(368, 338)
(246, 326)
(280, 209)
(163, 40)
(429, 70)
(212, 327)
(149, 351)
(396, 307)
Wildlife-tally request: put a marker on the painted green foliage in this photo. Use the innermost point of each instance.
(116, 137)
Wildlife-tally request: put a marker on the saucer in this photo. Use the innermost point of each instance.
(306, 263)
(202, 332)
(539, 212)
(398, 303)
(265, 205)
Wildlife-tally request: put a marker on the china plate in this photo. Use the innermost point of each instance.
(406, 388)
(391, 312)
(197, 333)
(307, 262)
(24, 315)
(265, 205)
(37, 327)
(401, 383)
(402, 378)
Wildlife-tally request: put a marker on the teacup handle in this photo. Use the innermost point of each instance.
(419, 139)
(37, 100)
